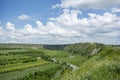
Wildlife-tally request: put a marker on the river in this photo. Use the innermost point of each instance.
(74, 67)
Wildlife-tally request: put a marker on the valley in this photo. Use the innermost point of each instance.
(81, 61)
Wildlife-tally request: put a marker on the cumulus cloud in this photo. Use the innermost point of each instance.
(87, 3)
(24, 17)
(68, 18)
(95, 27)
(28, 27)
(115, 10)
(10, 26)
(39, 23)
(1, 31)
(67, 28)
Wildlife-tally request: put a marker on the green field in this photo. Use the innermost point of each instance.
(21, 73)
(18, 64)
(93, 61)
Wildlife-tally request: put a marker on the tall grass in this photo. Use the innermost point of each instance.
(103, 66)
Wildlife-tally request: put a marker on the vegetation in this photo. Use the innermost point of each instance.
(105, 65)
(25, 72)
(41, 75)
(34, 62)
(76, 60)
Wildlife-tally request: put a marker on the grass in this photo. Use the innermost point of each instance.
(21, 66)
(77, 60)
(8, 59)
(21, 73)
(83, 49)
(33, 53)
(42, 75)
(103, 66)
(13, 50)
(55, 53)
(29, 67)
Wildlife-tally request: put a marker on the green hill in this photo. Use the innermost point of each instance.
(19, 46)
(83, 48)
(39, 46)
(81, 61)
(102, 62)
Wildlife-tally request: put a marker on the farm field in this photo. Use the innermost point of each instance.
(17, 64)
(75, 62)
(25, 72)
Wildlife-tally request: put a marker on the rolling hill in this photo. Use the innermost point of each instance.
(102, 62)
(92, 61)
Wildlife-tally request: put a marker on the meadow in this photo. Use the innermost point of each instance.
(19, 64)
(93, 62)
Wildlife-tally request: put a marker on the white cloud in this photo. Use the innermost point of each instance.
(115, 10)
(100, 20)
(24, 17)
(28, 28)
(92, 28)
(87, 3)
(1, 31)
(67, 28)
(50, 24)
(68, 18)
(56, 5)
(10, 26)
(39, 23)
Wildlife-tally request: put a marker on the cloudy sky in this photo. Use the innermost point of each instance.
(60, 21)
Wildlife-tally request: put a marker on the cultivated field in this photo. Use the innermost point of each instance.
(82, 61)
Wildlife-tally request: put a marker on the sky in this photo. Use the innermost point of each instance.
(60, 21)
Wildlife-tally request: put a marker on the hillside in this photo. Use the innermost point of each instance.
(82, 61)
(41, 46)
(102, 62)
(17, 46)
(83, 48)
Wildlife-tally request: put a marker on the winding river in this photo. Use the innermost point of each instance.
(74, 67)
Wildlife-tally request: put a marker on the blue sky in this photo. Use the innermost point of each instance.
(10, 9)
(59, 21)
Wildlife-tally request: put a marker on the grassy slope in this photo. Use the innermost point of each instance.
(55, 53)
(79, 52)
(21, 73)
(102, 66)
(75, 60)
(21, 66)
(23, 69)
(17, 46)
(83, 48)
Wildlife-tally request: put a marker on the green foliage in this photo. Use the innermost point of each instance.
(77, 60)
(6, 59)
(42, 75)
(105, 65)
(34, 64)
(33, 53)
(55, 53)
(25, 72)
(83, 49)
(21, 66)
(19, 46)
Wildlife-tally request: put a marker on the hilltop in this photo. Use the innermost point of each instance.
(102, 62)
